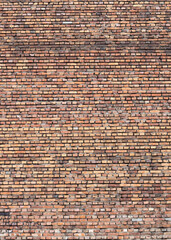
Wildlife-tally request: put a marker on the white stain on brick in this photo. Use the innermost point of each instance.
(67, 22)
(137, 219)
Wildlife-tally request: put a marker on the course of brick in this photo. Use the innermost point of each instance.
(85, 120)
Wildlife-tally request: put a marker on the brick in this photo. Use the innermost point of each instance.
(85, 119)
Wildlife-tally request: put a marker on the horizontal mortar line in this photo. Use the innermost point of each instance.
(113, 44)
(88, 57)
(52, 4)
(61, 12)
(76, 42)
(95, 59)
(71, 23)
(64, 52)
(59, 8)
(75, 67)
(134, 50)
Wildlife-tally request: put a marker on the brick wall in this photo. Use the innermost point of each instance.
(85, 119)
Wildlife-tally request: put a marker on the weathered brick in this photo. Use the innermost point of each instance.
(85, 119)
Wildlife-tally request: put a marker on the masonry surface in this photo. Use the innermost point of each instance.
(85, 119)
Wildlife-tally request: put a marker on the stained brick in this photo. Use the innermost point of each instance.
(85, 122)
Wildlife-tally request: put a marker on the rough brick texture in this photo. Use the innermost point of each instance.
(85, 119)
